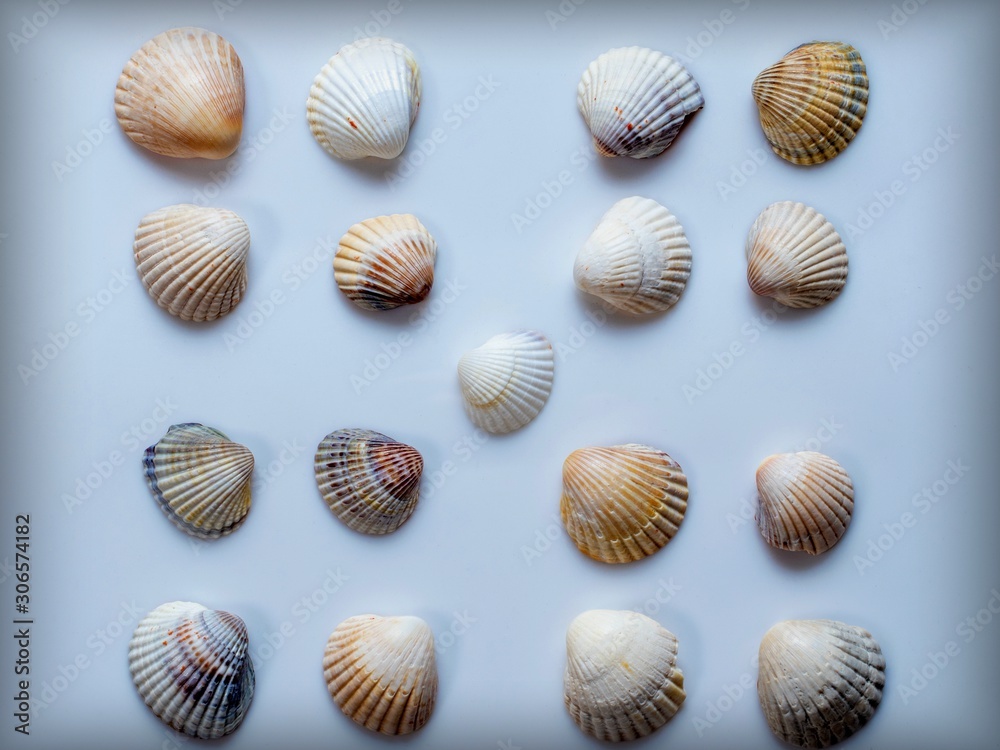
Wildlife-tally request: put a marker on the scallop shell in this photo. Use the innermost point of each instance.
(622, 681)
(365, 99)
(638, 259)
(635, 101)
(193, 260)
(381, 672)
(795, 256)
(506, 381)
(386, 262)
(371, 482)
(192, 667)
(201, 479)
(819, 681)
(182, 94)
(622, 503)
(812, 101)
(806, 501)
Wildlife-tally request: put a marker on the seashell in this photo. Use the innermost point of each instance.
(386, 262)
(622, 503)
(201, 479)
(635, 101)
(507, 380)
(812, 101)
(193, 260)
(182, 94)
(371, 482)
(819, 681)
(365, 99)
(795, 256)
(622, 681)
(381, 672)
(806, 501)
(192, 667)
(638, 259)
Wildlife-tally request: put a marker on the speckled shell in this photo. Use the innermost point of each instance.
(805, 501)
(365, 99)
(635, 101)
(622, 503)
(637, 260)
(622, 681)
(192, 667)
(381, 672)
(201, 479)
(812, 101)
(795, 256)
(819, 681)
(193, 260)
(182, 94)
(370, 482)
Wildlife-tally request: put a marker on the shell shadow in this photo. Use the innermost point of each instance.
(791, 560)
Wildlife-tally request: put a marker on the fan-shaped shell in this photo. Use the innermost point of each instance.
(386, 262)
(182, 94)
(193, 260)
(806, 501)
(638, 259)
(506, 381)
(622, 681)
(819, 681)
(201, 479)
(795, 256)
(365, 99)
(381, 672)
(812, 101)
(635, 101)
(622, 503)
(192, 667)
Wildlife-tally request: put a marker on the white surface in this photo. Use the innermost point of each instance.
(462, 551)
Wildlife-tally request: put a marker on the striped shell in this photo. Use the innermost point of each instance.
(201, 479)
(622, 503)
(192, 667)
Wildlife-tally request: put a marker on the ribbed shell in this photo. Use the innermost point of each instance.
(193, 260)
(506, 381)
(622, 681)
(812, 101)
(182, 94)
(386, 262)
(638, 259)
(795, 256)
(806, 501)
(365, 99)
(819, 681)
(381, 672)
(622, 503)
(201, 479)
(370, 482)
(192, 667)
(635, 101)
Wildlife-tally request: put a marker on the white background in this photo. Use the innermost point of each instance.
(463, 551)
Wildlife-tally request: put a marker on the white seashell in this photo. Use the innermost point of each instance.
(635, 101)
(365, 99)
(622, 681)
(638, 259)
(192, 260)
(819, 681)
(795, 256)
(201, 479)
(806, 501)
(182, 94)
(381, 672)
(507, 380)
(192, 667)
